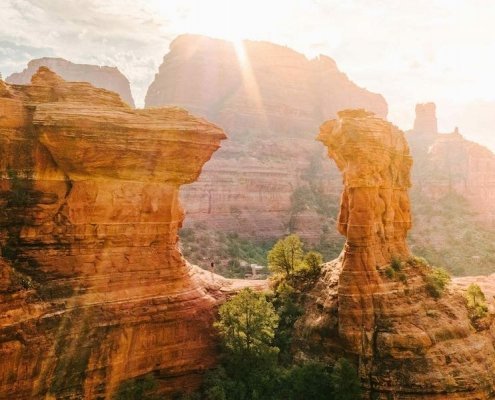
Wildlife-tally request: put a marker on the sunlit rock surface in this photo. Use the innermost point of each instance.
(93, 288)
(109, 78)
(407, 344)
(269, 99)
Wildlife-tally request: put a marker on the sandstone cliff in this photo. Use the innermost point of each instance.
(407, 343)
(109, 78)
(269, 99)
(93, 288)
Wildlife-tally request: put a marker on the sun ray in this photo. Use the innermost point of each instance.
(250, 83)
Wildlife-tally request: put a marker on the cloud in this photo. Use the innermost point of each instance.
(125, 34)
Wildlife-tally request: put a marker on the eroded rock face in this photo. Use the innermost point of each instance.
(375, 216)
(269, 99)
(109, 78)
(407, 344)
(93, 288)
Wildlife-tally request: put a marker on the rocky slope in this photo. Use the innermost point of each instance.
(407, 343)
(109, 78)
(93, 288)
(269, 99)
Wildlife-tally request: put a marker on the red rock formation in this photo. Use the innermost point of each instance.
(93, 288)
(408, 344)
(269, 98)
(374, 159)
(109, 78)
(426, 119)
(450, 163)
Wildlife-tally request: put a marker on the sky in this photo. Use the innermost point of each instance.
(410, 51)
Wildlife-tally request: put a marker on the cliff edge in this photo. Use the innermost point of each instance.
(93, 288)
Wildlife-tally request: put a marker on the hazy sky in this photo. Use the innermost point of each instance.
(408, 50)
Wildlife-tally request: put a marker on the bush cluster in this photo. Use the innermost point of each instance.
(476, 302)
(436, 281)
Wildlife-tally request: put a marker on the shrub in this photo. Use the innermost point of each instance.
(476, 302)
(395, 263)
(389, 272)
(402, 277)
(415, 261)
(436, 282)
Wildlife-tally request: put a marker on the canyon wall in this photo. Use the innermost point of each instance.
(109, 78)
(271, 178)
(269, 99)
(373, 304)
(93, 288)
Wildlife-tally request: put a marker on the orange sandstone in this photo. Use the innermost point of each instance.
(406, 343)
(93, 288)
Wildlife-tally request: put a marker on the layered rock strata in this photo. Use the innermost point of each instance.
(375, 217)
(93, 288)
(104, 77)
(269, 98)
(407, 343)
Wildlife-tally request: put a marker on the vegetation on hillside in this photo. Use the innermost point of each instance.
(228, 251)
(251, 367)
(445, 234)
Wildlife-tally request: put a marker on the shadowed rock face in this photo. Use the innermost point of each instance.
(109, 78)
(269, 98)
(407, 344)
(93, 289)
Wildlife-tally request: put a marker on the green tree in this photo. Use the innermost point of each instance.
(247, 323)
(307, 381)
(313, 261)
(345, 381)
(247, 327)
(476, 301)
(286, 255)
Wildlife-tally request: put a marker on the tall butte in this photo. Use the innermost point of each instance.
(407, 343)
(93, 288)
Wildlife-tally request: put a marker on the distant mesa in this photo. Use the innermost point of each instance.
(209, 77)
(269, 99)
(104, 77)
